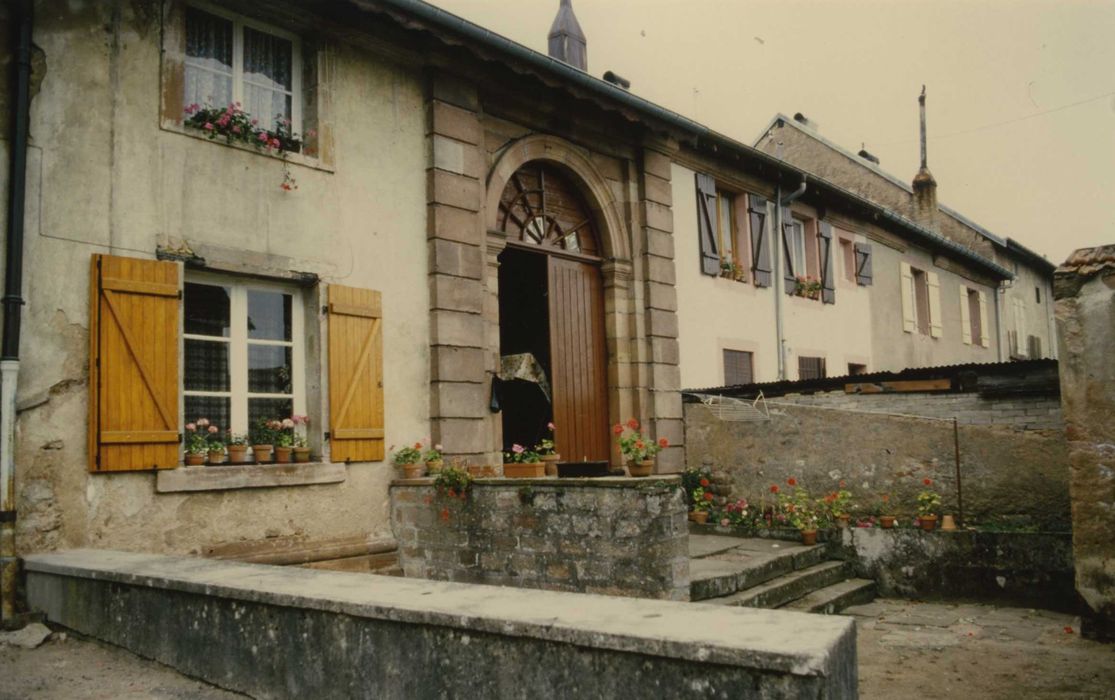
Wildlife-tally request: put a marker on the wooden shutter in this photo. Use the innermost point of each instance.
(738, 369)
(133, 364)
(863, 264)
(811, 368)
(907, 281)
(760, 240)
(789, 274)
(828, 283)
(965, 316)
(355, 375)
(936, 329)
(706, 224)
(984, 339)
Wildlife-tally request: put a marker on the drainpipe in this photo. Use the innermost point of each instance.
(779, 281)
(12, 302)
(1000, 291)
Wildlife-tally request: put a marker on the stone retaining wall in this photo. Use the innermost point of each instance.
(271, 631)
(616, 536)
(1020, 412)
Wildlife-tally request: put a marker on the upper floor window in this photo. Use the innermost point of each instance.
(243, 357)
(973, 316)
(797, 260)
(231, 60)
(733, 233)
(921, 301)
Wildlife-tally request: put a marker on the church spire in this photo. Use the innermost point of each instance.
(567, 41)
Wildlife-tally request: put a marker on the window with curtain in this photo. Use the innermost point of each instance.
(229, 59)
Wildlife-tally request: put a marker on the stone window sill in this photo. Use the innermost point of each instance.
(295, 158)
(248, 476)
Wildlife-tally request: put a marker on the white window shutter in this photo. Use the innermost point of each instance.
(908, 323)
(965, 317)
(983, 321)
(935, 327)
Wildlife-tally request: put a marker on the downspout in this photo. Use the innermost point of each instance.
(779, 278)
(13, 302)
(1000, 336)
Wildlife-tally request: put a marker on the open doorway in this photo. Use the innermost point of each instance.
(524, 329)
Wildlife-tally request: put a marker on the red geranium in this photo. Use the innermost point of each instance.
(632, 423)
(792, 481)
(663, 443)
(617, 428)
(708, 496)
(774, 488)
(704, 482)
(927, 481)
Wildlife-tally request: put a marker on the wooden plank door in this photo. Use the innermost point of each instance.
(578, 354)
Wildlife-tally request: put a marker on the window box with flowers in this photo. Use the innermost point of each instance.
(214, 61)
(807, 286)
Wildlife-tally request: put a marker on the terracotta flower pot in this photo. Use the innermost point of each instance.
(414, 471)
(886, 521)
(237, 454)
(551, 462)
(842, 521)
(700, 516)
(434, 466)
(928, 522)
(643, 468)
(262, 453)
(195, 459)
(948, 523)
(302, 454)
(809, 537)
(282, 454)
(216, 457)
(515, 470)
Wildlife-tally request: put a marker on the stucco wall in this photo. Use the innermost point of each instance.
(109, 180)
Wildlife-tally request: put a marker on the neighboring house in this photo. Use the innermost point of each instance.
(455, 207)
(1024, 306)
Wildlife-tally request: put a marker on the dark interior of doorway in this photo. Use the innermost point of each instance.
(524, 327)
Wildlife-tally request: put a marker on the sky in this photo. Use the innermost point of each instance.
(1021, 94)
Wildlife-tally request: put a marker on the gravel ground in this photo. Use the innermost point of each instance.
(906, 650)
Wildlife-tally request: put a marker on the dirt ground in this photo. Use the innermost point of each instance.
(906, 650)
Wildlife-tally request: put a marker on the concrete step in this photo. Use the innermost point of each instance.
(748, 564)
(784, 589)
(832, 599)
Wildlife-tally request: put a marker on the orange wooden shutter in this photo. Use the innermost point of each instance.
(355, 375)
(133, 364)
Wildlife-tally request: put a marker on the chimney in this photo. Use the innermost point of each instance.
(567, 41)
(925, 187)
(867, 155)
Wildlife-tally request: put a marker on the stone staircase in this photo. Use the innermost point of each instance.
(766, 573)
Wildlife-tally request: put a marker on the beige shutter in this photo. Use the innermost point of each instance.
(133, 364)
(355, 375)
(984, 322)
(935, 327)
(908, 323)
(965, 317)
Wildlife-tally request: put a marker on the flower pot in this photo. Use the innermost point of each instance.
(195, 459)
(282, 454)
(643, 468)
(414, 471)
(948, 523)
(302, 454)
(237, 454)
(551, 462)
(886, 521)
(928, 522)
(700, 516)
(434, 466)
(809, 537)
(842, 521)
(515, 470)
(262, 453)
(216, 457)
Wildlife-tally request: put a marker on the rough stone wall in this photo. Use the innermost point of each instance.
(1008, 476)
(1025, 569)
(1085, 293)
(609, 536)
(1022, 413)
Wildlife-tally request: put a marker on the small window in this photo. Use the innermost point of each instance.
(975, 319)
(726, 226)
(738, 368)
(1037, 294)
(229, 60)
(243, 358)
(920, 292)
(855, 369)
(848, 256)
(797, 248)
(811, 368)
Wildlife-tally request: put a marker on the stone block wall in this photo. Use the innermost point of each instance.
(614, 536)
(1008, 477)
(1084, 288)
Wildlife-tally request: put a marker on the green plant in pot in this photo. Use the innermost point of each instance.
(801, 511)
(434, 459)
(638, 451)
(284, 440)
(215, 441)
(929, 503)
(701, 504)
(237, 448)
(197, 443)
(262, 437)
(547, 451)
(522, 463)
(409, 459)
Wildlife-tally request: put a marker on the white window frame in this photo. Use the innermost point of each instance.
(238, 342)
(238, 25)
(797, 248)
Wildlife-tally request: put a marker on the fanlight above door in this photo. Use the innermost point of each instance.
(540, 207)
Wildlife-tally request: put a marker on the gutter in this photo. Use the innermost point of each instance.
(13, 303)
(439, 19)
